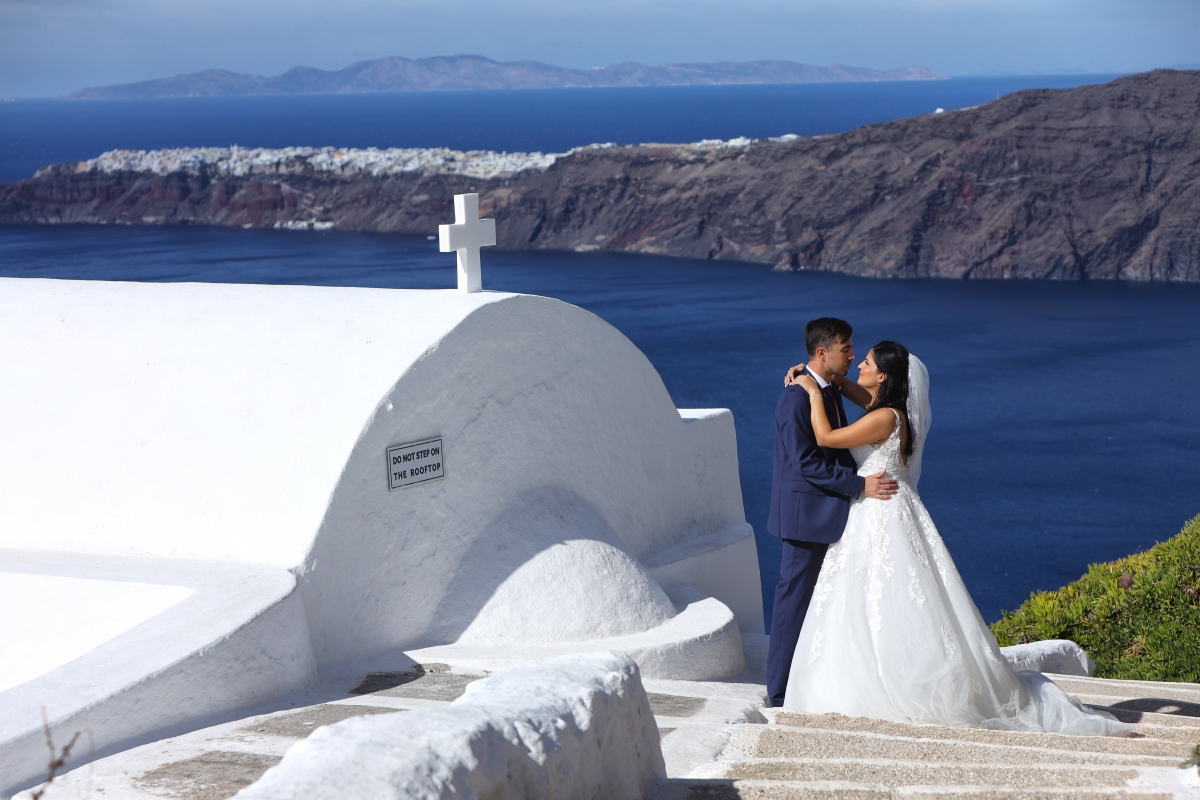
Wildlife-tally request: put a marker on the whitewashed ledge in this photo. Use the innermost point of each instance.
(243, 161)
(1053, 656)
(572, 726)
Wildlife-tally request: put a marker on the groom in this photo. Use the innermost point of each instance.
(811, 491)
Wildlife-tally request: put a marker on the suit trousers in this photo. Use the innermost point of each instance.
(798, 571)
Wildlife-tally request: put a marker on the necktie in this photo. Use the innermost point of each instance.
(835, 420)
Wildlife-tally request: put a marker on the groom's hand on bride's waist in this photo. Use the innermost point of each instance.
(879, 486)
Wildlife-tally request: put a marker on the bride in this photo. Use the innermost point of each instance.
(892, 632)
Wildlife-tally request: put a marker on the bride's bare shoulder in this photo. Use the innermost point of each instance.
(884, 414)
(883, 422)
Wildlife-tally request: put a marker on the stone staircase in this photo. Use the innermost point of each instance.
(719, 745)
(828, 756)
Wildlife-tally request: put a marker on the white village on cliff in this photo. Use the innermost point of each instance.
(292, 541)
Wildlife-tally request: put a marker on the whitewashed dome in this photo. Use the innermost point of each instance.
(574, 591)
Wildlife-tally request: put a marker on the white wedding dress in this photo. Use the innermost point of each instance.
(892, 632)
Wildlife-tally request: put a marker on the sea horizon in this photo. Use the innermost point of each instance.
(1067, 74)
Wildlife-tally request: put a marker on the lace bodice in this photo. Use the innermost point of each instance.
(885, 456)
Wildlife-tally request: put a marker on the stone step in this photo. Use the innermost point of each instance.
(901, 772)
(703, 789)
(773, 741)
(1156, 740)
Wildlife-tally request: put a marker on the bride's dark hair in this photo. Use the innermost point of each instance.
(891, 358)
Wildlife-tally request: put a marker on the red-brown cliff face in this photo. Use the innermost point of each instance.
(1093, 182)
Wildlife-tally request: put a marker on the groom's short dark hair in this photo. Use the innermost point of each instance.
(826, 332)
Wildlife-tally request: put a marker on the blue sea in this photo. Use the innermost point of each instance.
(1065, 414)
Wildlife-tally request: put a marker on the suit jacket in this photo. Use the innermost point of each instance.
(811, 486)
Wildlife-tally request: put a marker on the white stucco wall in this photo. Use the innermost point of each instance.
(193, 420)
(250, 423)
(168, 424)
(556, 428)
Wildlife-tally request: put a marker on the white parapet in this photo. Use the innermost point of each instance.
(1055, 656)
(237, 636)
(572, 726)
(404, 471)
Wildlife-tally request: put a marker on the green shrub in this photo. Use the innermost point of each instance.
(1149, 631)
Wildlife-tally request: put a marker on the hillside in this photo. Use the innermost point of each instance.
(1138, 617)
(448, 73)
(1098, 181)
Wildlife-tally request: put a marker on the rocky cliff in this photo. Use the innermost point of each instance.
(1094, 182)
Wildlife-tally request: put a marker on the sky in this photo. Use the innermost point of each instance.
(51, 47)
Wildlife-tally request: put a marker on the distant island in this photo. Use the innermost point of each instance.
(1096, 182)
(450, 73)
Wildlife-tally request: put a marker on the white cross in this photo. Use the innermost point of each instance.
(467, 235)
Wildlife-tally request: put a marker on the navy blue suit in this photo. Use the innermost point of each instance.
(811, 490)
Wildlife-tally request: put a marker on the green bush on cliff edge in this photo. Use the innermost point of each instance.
(1149, 631)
